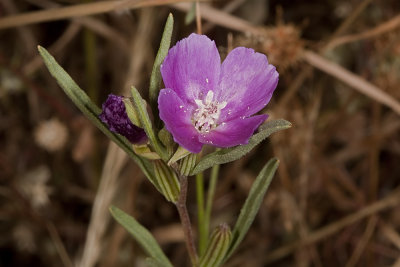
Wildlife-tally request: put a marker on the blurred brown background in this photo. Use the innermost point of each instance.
(335, 199)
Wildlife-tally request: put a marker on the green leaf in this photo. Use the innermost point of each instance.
(230, 154)
(153, 263)
(144, 117)
(191, 14)
(252, 204)
(89, 109)
(167, 140)
(141, 235)
(155, 79)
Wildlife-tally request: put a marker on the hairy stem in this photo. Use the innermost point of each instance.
(185, 220)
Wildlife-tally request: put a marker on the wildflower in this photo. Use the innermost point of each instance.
(206, 102)
(115, 116)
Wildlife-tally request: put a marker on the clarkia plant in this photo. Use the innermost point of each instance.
(202, 102)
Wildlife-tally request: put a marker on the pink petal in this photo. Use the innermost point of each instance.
(176, 116)
(247, 83)
(192, 67)
(233, 133)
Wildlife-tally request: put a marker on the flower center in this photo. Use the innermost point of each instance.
(207, 113)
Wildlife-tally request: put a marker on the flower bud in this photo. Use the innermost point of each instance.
(187, 164)
(217, 246)
(166, 181)
(115, 116)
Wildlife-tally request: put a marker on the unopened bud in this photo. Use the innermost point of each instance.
(166, 181)
(217, 247)
(187, 164)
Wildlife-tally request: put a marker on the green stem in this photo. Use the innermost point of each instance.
(210, 197)
(203, 234)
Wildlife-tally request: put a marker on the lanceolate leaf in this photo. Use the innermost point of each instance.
(91, 111)
(141, 108)
(230, 154)
(153, 263)
(142, 236)
(155, 79)
(252, 204)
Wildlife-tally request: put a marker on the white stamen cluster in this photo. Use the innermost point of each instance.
(207, 113)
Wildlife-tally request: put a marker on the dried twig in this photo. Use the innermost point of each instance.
(390, 201)
(62, 252)
(362, 243)
(371, 33)
(391, 234)
(351, 79)
(115, 158)
(78, 11)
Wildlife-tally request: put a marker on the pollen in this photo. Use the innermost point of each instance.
(205, 118)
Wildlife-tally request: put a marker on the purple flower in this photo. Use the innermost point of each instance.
(114, 115)
(206, 102)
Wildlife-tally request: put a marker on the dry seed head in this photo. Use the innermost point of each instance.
(51, 135)
(281, 44)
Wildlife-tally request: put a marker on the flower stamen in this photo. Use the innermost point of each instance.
(205, 117)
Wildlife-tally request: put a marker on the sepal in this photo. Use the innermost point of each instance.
(187, 164)
(167, 181)
(132, 112)
(180, 153)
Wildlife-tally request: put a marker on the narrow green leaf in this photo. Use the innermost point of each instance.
(153, 263)
(167, 140)
(191, 14)
(252, 204)
(141, 235)
(88, 108)
(155, 79)
(230, 154)
(141, 109)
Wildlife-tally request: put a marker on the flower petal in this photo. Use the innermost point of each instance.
(233, 133)
(192, 67)
(247, 83)
(176, 116)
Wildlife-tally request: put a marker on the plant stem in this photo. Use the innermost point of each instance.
(185, 220)
(210, 197)
(203, 234)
